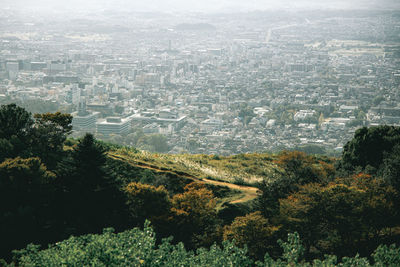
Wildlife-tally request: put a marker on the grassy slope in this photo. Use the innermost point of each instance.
(239, 169)
(239, 173)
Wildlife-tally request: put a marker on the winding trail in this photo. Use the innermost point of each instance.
(248, 192)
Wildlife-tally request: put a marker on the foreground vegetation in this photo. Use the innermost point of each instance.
(52, 188)
(138, 248)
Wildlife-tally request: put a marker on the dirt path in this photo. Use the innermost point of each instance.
(249, 192)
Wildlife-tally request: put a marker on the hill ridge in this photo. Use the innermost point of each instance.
(248, 192)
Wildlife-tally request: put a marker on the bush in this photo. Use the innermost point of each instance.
(138, 248)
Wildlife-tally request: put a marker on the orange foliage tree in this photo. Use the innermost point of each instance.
(343, 217)
(254, 231)
(195, 216)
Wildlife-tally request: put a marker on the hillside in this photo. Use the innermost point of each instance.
(243, 168)
(52, 187)
(239, 173)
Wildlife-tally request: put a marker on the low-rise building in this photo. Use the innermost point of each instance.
(113, 125)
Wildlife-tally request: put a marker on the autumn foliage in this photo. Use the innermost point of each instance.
(52, 188)
(253, 231)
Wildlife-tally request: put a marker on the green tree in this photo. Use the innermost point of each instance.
(14, 121)
(246, 113)
(299, 167)
(48, 136)
(311, 149)
(296, 168)
(89, 159)
(133, 138)
(148, 202)
(368, 148)
(387, 256)
(277, 186)
(93, 198)
(43, 137)
(138, 247)
(130, 248)
(6, 149)
(391, 168)
(116, 139)
(25, 200)
(15, 130)
(377, 100)
(153, 142)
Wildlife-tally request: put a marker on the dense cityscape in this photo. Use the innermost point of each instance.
(215, 84)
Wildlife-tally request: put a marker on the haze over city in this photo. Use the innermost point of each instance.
(206, 77)
(199, 6)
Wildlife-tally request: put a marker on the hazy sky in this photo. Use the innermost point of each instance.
(200, 5)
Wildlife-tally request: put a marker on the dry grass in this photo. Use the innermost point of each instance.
(240, 169)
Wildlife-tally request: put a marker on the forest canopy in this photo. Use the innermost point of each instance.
(65, 192)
